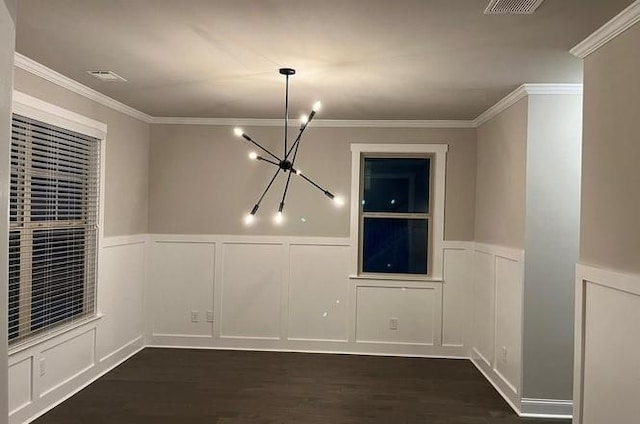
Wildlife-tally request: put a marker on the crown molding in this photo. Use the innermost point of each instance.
(325, 123)
(57, 78)
(607, 32)
(520, 93)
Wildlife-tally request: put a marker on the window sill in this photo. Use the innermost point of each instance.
(46, 337)
(396, 278)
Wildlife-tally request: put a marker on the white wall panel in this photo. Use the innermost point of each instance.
(508, 338)
(120, 299)
(251, 290)
(455, 313)
(182, 278)
(20, 380)
(318, 292)
(415, 309)
(484, 303)
(66, 360)
(611, 381)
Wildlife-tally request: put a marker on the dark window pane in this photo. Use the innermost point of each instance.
(14, 283)
(397, 246)
(396, 185)
(57, 276)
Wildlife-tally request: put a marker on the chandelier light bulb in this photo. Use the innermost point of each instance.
(338, 201)
(317, 106)
(298, 172)
(238, 131)
(253, 155)
(304, 119)
(249, 219)
(279, 218)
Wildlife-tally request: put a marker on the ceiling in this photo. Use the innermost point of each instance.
(365, 59)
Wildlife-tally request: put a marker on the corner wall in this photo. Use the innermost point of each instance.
(608, 276)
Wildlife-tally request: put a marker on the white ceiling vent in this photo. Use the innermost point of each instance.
(106, 75)
(523, 7)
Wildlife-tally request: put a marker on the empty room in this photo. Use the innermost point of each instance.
(354, 211)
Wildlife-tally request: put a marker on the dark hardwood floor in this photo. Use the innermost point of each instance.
(231, 387)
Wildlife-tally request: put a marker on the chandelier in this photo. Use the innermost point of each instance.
(286, 162)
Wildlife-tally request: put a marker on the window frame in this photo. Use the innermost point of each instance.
(31, 107)
(435, 216)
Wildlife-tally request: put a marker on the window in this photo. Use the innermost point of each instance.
(53, 227)
(398, 210)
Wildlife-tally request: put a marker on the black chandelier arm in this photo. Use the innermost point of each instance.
(297, 140)
(284, 193)
(268, 161)
(264, 149)
(266, 189)
(310, 181)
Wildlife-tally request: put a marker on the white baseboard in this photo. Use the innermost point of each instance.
(546, 408)
(26, 415)
(502, 386)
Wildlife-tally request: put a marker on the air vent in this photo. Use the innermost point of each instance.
(521, 7)
(106, 75)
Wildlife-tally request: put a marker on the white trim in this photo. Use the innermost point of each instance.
(520, 93)
(31, 107)
(607, 32)
(57, 78)
(440, 152)
(116, 241)
(629, 283)
(510, 253)
(495, 379)
(86, 384)
(546, 408)
(322, 123)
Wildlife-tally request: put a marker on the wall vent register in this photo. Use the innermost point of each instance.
(521, 7)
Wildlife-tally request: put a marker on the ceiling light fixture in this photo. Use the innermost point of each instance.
(286, 163)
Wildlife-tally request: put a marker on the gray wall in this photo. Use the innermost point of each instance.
(201, 181)
(127, 154)
(551, 246)
(501, 180)
(7, 44)
(610, 231)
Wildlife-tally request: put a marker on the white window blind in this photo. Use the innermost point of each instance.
(53, 217)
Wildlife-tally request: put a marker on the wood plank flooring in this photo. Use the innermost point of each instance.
(162, 386)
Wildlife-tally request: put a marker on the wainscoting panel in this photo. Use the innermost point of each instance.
(607, 374)
(318, 292)
(46, 372)
(296, 294)
(508, 345)
(484, 303)
(456, 308)
(398, 314)
(498, 274)
(251, 290)
(66, 360)
(20, 382)
(182, 276)
(120, 300)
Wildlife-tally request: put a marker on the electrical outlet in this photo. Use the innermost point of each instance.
(195, 316)
(393, 323)
(504, 354)
(43, 367)
(209, 316)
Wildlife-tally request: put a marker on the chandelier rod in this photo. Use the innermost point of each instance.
(286, 114)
